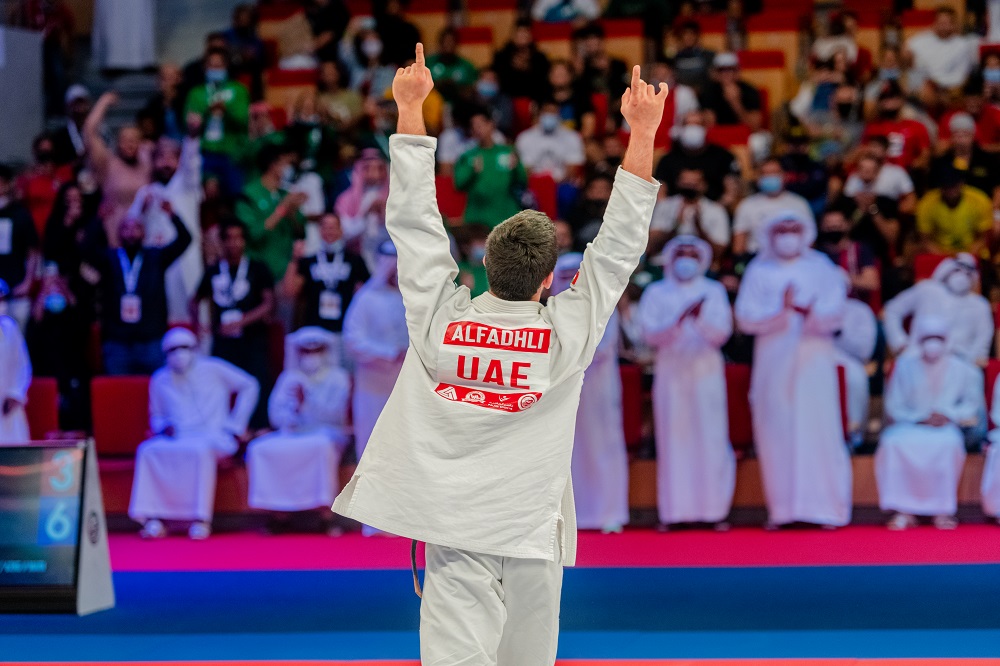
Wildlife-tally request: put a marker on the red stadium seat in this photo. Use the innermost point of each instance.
(738, 398)
(120, 412)
(522, 114)
(992, 372)
(728, 136)
(632, 404)
(545, 190)
(475, 44)
(924, 265)
(359, 7)
(600, 103)
(451, 202)
(42, 409)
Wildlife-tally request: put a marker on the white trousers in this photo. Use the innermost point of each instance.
(485, 610)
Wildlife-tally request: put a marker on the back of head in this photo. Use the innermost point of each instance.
(520, 254)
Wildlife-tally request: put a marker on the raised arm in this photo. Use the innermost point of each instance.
(427, 270)
(97, 150)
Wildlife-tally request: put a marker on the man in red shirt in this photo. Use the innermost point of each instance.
(986, 115)
(38, 187)
(909, 141)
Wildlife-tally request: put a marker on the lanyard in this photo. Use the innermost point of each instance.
(330, 272)
(130, 270)
(229, 282)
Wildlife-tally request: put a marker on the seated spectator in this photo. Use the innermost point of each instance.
(941, 56)
(224, 109)
(296, 468)
(687, 318)
(342, 107)
(908, 140)
(119, 173)
(728, 99)
(196, 422)
(804, 176)
(38, 187)
(689, 212)
(68, 143)
(856, 258)
(487, 94)
(564, 236)
(450, 71)
(133, 296)
(398, 35)
(575, 107)
(890, 68)
(241, 296)
(271, 214)
(722, 171)
(19, 250)
(361, 207)
(954, 217)
(15, 378)
(813, 102)
(492, 174)
(362, 53)
(457, 140)
(792, 299)
(874, 177)
(986, 117)
(855, 343)
(980, 168)
(328, 20)
(472, 250)
(693, 62)
(771, 199)
(66, 231)
(599, 72)
(838, 39)
(587, 215)
(932, 396)
(326, 282)
(681, 103)
(555, 11)
(549, 147)
(991, 77)
(314, 145)
(949, 294)
(249, 55)
(521, 68)
(163, 114)
(193, 74)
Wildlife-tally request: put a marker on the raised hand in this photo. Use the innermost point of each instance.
(642, 104)
(412, 84)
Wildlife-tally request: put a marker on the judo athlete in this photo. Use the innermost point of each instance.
(197, 422)
(15, 376)
(296, 468)
(931, 395)
(600, 458)
(792, 299)
(472, 453)
(687, 318)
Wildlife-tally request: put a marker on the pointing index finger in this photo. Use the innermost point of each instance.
(635, 77)
(420, 54)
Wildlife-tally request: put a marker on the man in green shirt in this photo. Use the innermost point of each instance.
(450, 71)
(271, 214)
(224, 109)
(492, 175)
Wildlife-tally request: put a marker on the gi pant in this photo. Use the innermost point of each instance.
(485, 610)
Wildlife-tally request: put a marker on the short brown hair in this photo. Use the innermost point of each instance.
(520, 254)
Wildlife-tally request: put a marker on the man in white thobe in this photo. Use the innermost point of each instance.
(198, 407)
(687, 317)
(855, 343)
(792, 299)
(176, 181)
(600, 458)
(296, 468)
(931, 395)
(15, 376)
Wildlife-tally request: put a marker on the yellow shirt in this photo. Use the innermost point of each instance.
(955, 229)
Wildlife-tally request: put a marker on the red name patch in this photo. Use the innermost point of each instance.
(503, 402)
(473, 334)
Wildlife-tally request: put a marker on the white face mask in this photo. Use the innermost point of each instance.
(959, 282)
(310, 364)
(372, 48)
(686, 268)
(692, 137)
(932, 349)
(180, 360)
(788, 245)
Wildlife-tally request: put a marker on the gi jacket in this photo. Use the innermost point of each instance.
(473, 448)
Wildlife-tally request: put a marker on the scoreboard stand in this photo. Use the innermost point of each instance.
(54, 554)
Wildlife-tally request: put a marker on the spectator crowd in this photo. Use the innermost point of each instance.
(854, 225)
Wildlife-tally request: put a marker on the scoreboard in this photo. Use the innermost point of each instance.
(53, 536)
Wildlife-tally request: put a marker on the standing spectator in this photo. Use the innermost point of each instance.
(340, 105)
(247, 50)
(932, 395)
(771, 199)
(134, 298)
(399, 36)
(38, 187)
(69, 145)
(164, 112)
(550, 147)
(985, 117)
(492, 174)
(19, 250)
(521, 67)
(941, 58)
(687, 318)
(979, 168)
(451, 72)
(270, 215)
(728, 99)
(120, 173)
(556, 11)
(874, 177)
(689, 212)
(241, 293)
(954, 217)
(224, 109)
(722, 171)
(361, 207)
(692, 61)
(908, 140)
(856, 258)
(326, 282)
(792, 300)
(15, 378)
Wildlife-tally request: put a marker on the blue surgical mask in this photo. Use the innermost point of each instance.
(477, 254)
(487, 89)
(770, 184)
(549, 122)
(216, 75)
(55, 303)
(686, 268)
(991, 75)
(889, 74)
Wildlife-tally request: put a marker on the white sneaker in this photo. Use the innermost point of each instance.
(612, 528)
(946, 522)
(901, 521)
(200, 531)
(153, 529)
(721, 526)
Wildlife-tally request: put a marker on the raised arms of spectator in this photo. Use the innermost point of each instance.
(178, 245)
(97, 149)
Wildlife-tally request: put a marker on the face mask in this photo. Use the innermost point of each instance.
(44, 156)
(477, 254)
(55, 303)
(688, 193)
(888, 114)
(959, 283)
(991, 75)
(831, 237)
(215, 75)
(844, 109)
(787, 245)
(770, 184)
(311, 363)
(686, 268)
(372, 48)
(932, 349)
(549, 122)
(179, 360)
(692, 137)
(889, 74)
(487, 89)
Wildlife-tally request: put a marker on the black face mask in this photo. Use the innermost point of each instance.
(831, 237)
(44, 156)
(130, 161)
(888, 114)
(689, 193)
(844, 110)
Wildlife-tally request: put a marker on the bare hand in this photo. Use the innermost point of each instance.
(642, 104)
(412, 84)
(109, 98)
(937, 420)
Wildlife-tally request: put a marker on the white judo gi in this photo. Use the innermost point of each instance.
(600, 458)
(297, 467)
(175, 475)
(695, 463)
(918, 466)
(855, 345)
(794, 392)
(472, 453)
(376, 338)
(15, 378)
